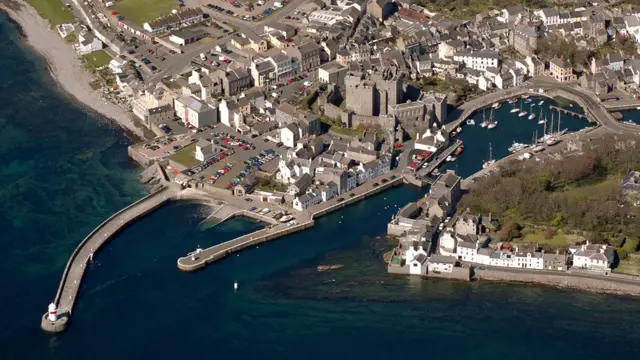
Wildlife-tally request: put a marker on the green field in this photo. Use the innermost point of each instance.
(98, 59)
(52, 10)
(538, 237)
(629, 266)
(185, 157)
(141, 11)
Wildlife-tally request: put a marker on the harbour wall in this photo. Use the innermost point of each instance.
(457, 273)
(227, 249)
(395, 182)
(611, 284)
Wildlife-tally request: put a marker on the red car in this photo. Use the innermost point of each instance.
(150, 51)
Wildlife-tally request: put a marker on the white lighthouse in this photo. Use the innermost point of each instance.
(53, 312)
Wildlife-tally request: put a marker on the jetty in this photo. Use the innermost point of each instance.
(568, 112)
(435, 163)
(57, 318)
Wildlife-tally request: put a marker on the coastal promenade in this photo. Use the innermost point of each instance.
(83, 254)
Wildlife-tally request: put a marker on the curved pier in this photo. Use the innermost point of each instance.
(82, 255)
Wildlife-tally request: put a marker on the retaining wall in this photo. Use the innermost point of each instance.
(604, 284)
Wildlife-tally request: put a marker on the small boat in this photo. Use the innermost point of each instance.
(515, 109)
(630, 122)
(458, 130)
(511, 101)
(552, 141)
(453, 158)
(537, 149)
(541, 102)
(495, 105)
(285, 218)
(484, 122)
(489, 162)
(449, 158)
(471, 122)
(459, 150)
(638, 108)
(492, 125)
(522, 114)
(527, 101)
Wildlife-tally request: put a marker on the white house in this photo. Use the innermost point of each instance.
(448, 243)
(549, 16)
(195, 112)
(87, 43)
(416, 258)
(289, 135)
(596, 257)
(117, 65)
(466, 250)
(529, 260)
(307, 200)
(478, 60)
(632, 24)
(205, 150)
(441, 264)
(230, 114)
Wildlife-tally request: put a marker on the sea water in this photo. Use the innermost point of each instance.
(64, 171)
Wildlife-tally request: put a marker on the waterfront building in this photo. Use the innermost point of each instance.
(441, 264)
(303, 202)
(153, 105)
(555, 261)
(444, 194)
(195, 112)
(87, 43)
(594, 257)
(561, 70)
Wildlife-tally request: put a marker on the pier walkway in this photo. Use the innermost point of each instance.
(568, 112)
(82, 255)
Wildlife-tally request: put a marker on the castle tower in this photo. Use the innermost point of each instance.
(53, 312)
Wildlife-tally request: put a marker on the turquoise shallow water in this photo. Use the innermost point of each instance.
(64, 171)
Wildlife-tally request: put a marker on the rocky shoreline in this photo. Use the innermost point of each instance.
(64, 66)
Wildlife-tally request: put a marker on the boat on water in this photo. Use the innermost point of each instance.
(521, 113)
(495, 105)
(515, 109)
(286, 218)
(453, 158)
(459, 150)
(484, 122)
(511, 101)
(492, 121)
(531, 114)
(471, 122)
(449, 158)
(541, 102)
(458, 130)
(489, 162)
(527, 101)
(630, 122)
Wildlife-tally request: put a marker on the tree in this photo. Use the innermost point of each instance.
(559, 220)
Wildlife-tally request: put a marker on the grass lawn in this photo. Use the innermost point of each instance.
(629, 266)
(185, 157)
(141, 11)
(539, 238)
(98, 59)
(338, 129)
(52, 10)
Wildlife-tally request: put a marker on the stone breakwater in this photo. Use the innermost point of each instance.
(611, 284)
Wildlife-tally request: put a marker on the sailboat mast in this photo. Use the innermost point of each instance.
(559, 115)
